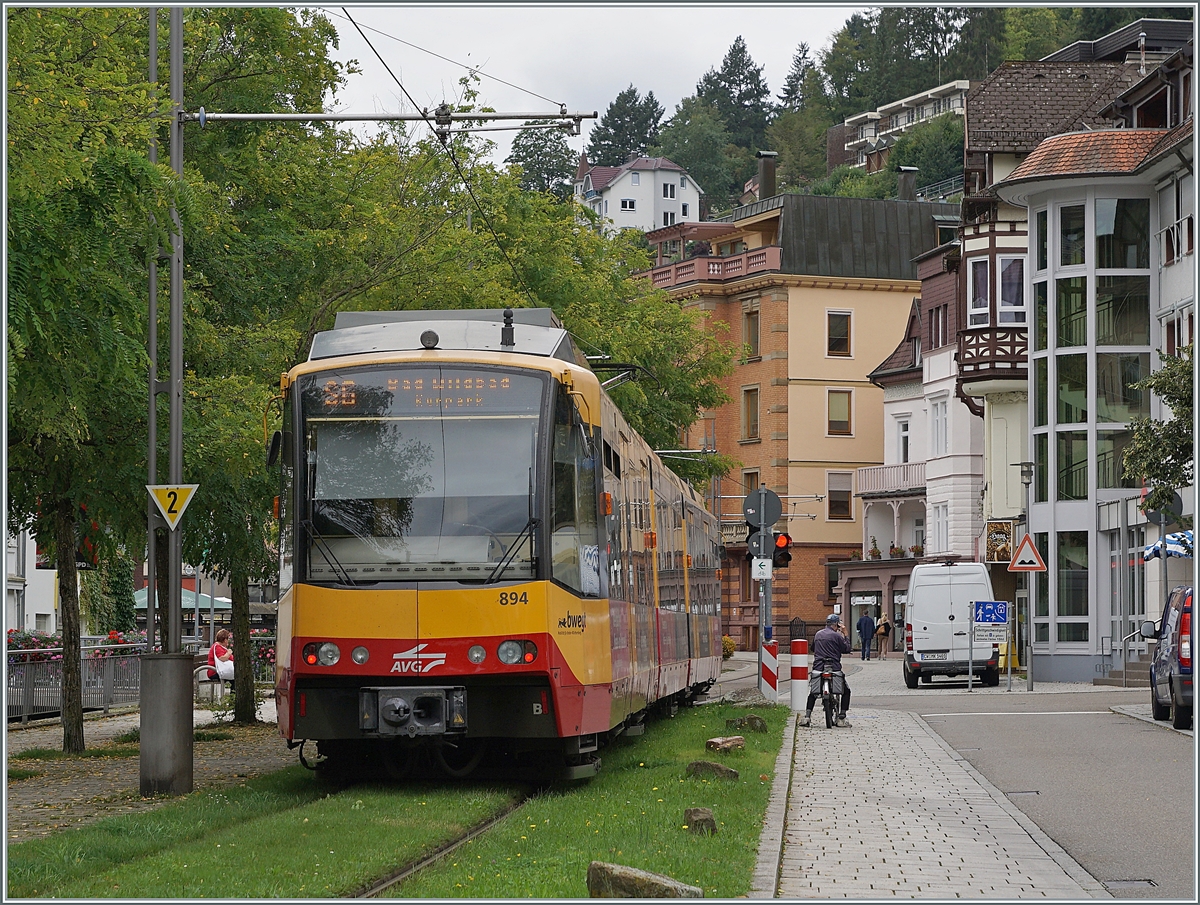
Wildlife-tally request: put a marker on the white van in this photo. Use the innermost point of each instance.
(937, 622)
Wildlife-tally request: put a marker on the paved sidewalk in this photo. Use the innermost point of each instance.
(1145, 714)
(916, 820)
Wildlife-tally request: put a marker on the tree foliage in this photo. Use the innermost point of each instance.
(696, 139)
(628, 127)
(740, 96)
(547, 163)
(935, 148)
(1161, 453)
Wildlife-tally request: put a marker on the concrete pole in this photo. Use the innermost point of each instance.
(152, 354)
(165, 760)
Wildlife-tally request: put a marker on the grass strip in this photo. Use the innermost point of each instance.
(16, 774)
(632, 813)
(329, 847)
(45, 867)
(58, 754)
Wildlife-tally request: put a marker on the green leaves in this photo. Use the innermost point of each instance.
(1162, 453)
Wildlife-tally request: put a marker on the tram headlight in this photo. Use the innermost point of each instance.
(514, 652)
(328, 654)
(360, 655)
(476, 654)
(510, 652)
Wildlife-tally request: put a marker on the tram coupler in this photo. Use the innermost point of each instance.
(412, 711)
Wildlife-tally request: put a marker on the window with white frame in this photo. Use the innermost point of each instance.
(683, 182)
(939, 427)
(628, 204)
(1178, 332)
(1011, 309)
(939, 528)
(668, 190)
(837, 333)
(902, 452)
(683, 209)
(839, 492)
(635, 178)
(977, 304)
(668, 218)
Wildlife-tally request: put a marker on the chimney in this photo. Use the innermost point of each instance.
(906, 184)
(766, 173)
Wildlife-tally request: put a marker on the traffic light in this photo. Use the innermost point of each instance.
(782, 554)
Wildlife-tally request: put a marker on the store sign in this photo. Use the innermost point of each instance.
(998, 541)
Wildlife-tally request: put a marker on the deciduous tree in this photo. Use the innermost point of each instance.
(547, 163)
(1162, 451)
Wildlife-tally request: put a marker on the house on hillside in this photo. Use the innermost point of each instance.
(868, 137)
(815, 290)
(644, 193)
(1111, 282)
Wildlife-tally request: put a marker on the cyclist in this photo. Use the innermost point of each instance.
(828, 646)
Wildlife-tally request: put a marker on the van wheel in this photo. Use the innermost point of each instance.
(1157, 710)
(991, 677)
(910, 677)
(1181, 717)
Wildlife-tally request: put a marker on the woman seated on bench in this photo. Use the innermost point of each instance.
(220, 657)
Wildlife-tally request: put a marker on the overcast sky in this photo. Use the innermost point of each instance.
(581, 55)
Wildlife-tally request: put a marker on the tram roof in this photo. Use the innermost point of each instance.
(536, 331)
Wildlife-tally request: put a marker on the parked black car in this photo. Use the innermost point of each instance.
(1171, 668)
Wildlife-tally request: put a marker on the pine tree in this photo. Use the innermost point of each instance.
(792, 97)
(740, 95)
(547, 163)
(629, 126)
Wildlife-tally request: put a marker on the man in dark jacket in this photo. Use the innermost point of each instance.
(828, 646)
(866, 633)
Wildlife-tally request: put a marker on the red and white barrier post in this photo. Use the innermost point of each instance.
(768, 682)
(799, 675)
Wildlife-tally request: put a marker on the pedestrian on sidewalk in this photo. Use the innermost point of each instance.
(220, 657)
(884, 632)
(866, 633)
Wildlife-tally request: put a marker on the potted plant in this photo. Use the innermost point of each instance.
(855, 556)
(917, 550)
(874, 551)
(895, 552)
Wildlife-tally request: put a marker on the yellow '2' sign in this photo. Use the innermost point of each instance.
(172, 500)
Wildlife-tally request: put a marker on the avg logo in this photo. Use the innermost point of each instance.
(415, 660)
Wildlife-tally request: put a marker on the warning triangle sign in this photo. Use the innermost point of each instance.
(1027, 558)
(172, 500)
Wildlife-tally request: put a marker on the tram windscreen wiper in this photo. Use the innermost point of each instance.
(330, 559)
(512, 548)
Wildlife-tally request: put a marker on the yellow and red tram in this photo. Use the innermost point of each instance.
(477, 553)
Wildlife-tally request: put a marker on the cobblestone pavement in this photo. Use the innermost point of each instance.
(77, 791)
(919, 821)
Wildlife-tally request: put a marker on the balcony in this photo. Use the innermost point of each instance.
(892, 480)
(1176, 242)
(992, 353)
(718, 270)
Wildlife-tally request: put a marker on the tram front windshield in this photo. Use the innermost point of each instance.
(420, 473)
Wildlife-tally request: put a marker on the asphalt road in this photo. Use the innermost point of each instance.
(1117, 793)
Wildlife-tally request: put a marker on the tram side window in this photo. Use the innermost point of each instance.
(575, 550)
(287, 544)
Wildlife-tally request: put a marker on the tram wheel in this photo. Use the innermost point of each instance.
(460, 758)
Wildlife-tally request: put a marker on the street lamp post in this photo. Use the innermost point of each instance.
(1027, 479)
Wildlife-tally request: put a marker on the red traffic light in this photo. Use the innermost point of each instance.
(782, 541)
(781, 555)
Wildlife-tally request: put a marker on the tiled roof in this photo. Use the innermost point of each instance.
(1112, 152)
(652, 163)
(602, 176)
(1021, 103)
(1169, 142)
(903, 357)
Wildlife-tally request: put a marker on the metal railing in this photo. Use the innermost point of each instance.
(106, 680)
(110, 675)
(1176, 241)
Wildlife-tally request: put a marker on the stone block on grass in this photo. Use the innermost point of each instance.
(617, 881)
(703, 768)
(725, 743)
(753, 722)
(700, 820)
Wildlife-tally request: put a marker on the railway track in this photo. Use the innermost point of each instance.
(446, 848)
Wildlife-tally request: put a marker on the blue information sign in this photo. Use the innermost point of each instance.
(993, 611)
